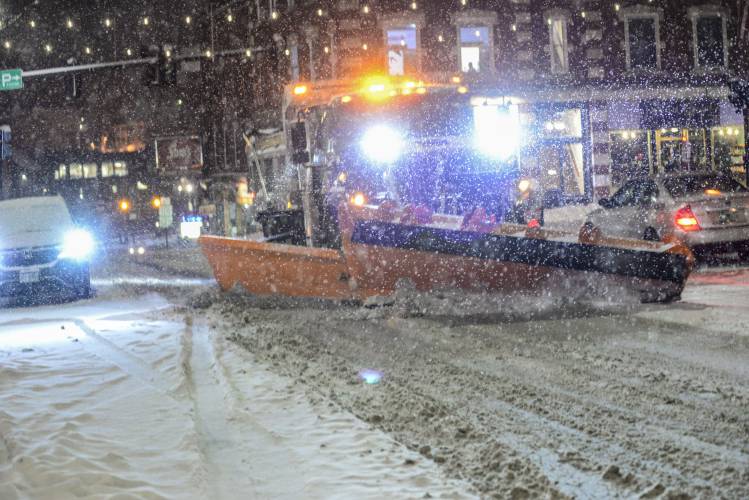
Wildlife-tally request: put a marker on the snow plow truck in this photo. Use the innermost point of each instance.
(404, 182)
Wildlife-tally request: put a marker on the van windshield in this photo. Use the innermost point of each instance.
(26, 216)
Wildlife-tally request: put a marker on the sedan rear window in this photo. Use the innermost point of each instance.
(690, 185)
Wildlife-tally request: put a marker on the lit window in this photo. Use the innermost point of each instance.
(709, 37)
(559, 49)
(76, 171)
(107, 169)
(474, 48)
(62, 172)
(643, 38)
(402, 50)
(89, 170)
(120, 169)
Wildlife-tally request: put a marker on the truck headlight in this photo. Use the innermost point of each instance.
(496, 131)
(382, 144)
(77, 244)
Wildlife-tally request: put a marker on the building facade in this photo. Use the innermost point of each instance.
(607, 89)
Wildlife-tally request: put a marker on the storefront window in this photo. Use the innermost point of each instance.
(629, 155)
(61, 173)
(681, 149)
(728, 150)
(76, 171)
(120, 169)
(107, 169)
(89, 170)
(556, 156)
(567, 123)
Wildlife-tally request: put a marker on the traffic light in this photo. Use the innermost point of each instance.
(156, 202)
(5, 148)
(151, 75)
(167, 65)
(124, 206)
(164, 70)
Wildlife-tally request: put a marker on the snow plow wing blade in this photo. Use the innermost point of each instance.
(435, 258)
(380, 251)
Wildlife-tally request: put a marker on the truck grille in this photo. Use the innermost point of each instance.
(29, 257)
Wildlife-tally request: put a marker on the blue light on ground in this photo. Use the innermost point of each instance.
(370, 376)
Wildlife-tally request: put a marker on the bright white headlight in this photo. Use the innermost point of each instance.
(497, 131)
(382, 144)
(77, 244)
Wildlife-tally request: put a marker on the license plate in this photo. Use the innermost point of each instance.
(28, 276)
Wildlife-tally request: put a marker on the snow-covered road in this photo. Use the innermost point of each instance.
(160, 387)
(130, 396)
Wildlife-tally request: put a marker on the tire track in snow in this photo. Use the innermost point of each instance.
(232, 456)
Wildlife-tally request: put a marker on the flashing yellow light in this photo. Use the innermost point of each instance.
(346, 99)
(456, 79)
(156, 202)
(300, 90)
(358, 199)
(124, 206)
(421, 90)
(462, 89)
(713, 192)
(376, 83)
(289, 205)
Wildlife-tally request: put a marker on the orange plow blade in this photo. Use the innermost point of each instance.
(273, 269)
(382, 248)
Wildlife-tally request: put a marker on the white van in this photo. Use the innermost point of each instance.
(42, 252)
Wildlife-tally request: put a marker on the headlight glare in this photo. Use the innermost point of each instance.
(382, 144)
(77, 244)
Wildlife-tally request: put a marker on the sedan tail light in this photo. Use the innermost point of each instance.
(686, 220)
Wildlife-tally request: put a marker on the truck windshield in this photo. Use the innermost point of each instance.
(421, 116)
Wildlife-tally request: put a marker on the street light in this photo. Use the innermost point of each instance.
(124, 206)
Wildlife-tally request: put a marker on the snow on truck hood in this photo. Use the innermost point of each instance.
(33, 222)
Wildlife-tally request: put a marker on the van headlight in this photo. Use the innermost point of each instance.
(77, 244)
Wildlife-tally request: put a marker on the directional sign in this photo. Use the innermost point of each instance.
(11, 79)
(166, 216)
